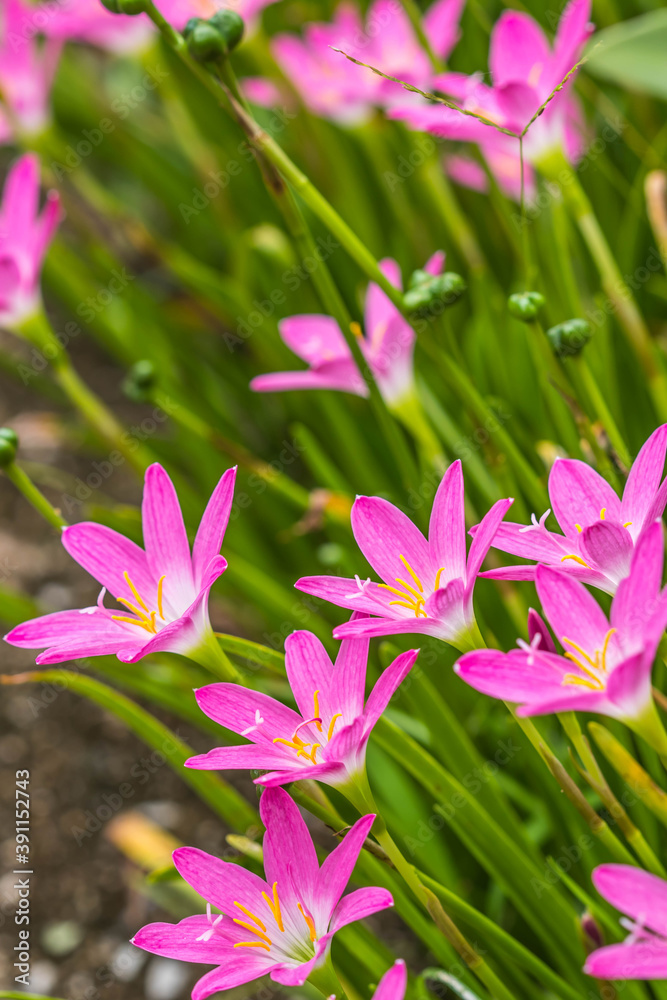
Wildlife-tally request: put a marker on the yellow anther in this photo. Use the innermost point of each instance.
(134, 590)
(602, 513)
(252, 944)
(134, 621)
(309, 921)
(249, 913)
(160, 585)
(437, 577)
(595, 684)
(627, 524)
(137, 611)
(412, 573)
(274, 906)
(316, 707)
(291, 743)
(418, 610)
(605, 645)
(338, 715)
(579, 528)
(579, 650)
(356, 330)
(576, 559)
(416, 594)
(253, 930)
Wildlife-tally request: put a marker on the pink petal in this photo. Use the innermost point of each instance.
(451, 608)
(389, 681)
(165, 538)
(518, 50)
(360, 904)
(573, 30)
(309, 669)
(570, 609)
(237, 970)
(338, 866)
(393, 984)
(607, 545)
(64, 626)
(330, 773)
(346, 594)
(383, 532)
(517, 676)
(441, 23)
(349, 676)
(644, 480)
(578, 495)
(629, 961)
(484, 538)
(636, 596)
(290, 858)
(379, 310)
(248, 757)
(634, 892)
(447, 529)
(219, 882)
(315, 339)
(235, 708)
(374, 627)
(106, 555)
(528, 542)
(213, 524)
(76, 649)
(20, 197)
(629, 685)
(340, 376)
(537, 626)
(467, 172)
(179, 940)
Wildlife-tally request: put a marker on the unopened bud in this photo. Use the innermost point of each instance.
(569, 338)
(8, 444)
(125, 6)
(592, 932)
(213, 39)
(429, 294)
(139, 381)
(525, 305)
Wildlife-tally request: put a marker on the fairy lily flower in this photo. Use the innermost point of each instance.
(525, 70)
(332, 87)
(387, 344)
(281, 926)
(599, 530)
(427, 584)
(643, 897)
(606, 662)
(27, 68)
(326, 738)
(162, 589)
(25, 235)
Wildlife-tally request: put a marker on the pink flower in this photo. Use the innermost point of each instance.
(387, 345)
(26, 71)
(332, 87)
(326, 739)
(525, 69)
(25, 235)
(606, 665)
(282, 926)
(393, 984)
(599, 530)
(643, 897)
(428, 584)
(163, 588)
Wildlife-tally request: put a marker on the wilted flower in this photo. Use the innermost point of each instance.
(333, 87)
(25, 235)
(643, 897)
(428, 584)
(525, 69)
(599, 530)
(387, 343)
(606, 664)
(163, 588)
(326, 739)
(282, 926)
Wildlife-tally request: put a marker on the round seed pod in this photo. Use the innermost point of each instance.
(525, 305)
(568, 339)
(429, 295)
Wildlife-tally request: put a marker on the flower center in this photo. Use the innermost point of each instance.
(309, 750)
(578, 559)
(142, 616)
(411, 597)
(594, 668)
(297, 948)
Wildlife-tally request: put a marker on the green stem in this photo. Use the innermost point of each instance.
(594, 393)
(325, 980)
(37, 330)
(211, 656)
(35, 497)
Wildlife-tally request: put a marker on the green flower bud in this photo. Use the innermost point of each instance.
(428, 294)
(230, 25)
(525, 305)
(125, 6)
(212, 39)
(139, 381)
(569, 338)
(8, 444)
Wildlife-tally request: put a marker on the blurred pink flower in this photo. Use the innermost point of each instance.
(25, 235)
(163, 588)
(428, 584)
(643, 897)
(387, 345)
(393, 984)
(27, 68)
(606, 666)
(281, 926)
(599, 530)
(332, 87)
(524, 69)
(327, 738)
